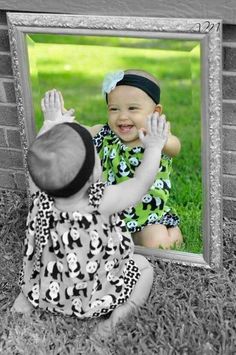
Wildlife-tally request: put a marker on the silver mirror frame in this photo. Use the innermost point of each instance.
(209, 33)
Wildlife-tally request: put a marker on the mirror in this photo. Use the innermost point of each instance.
(184, 55)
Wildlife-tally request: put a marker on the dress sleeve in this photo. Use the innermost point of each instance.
(95, 193)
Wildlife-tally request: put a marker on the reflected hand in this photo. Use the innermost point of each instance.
(68, 115)
(51, 106)
(156, 134)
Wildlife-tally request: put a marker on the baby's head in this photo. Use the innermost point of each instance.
(61, 161)
(133, 78)
(131, 96)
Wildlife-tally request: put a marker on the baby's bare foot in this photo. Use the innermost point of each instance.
(22, 305)
(122, 312)
(105, 328)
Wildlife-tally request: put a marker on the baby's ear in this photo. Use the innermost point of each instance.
(158, 109)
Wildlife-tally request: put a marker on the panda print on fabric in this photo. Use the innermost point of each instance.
(104, 302)
(77, 307)
(33, 295)
(73, 266)
(95, 244)
(52, 294)
(123, 169)
(124, 245)
(29, 251)
(76, 290)
(78, 269)
(132, 225)
(130, 212)
(54, 269)
(91, 268)
(151, 203)
(55, 247)
(71, 238)
(118, 282)
(97, 285)
(110, 248)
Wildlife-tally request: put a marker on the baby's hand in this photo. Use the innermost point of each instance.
(51, 106)
(68, 115)
(157, 132)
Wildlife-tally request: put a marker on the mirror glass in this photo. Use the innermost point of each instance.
(76, 66)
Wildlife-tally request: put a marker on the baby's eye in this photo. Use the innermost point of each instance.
(132, 108)
(113, 109)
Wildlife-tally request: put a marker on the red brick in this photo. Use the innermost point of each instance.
(229, 186)
(229, 58)
(8, 115)
(229, 87)
(20, 180)
(7, 180)
(11, 159)
(4, 41)
(5, 65)
(3, 18)
(229, 33)
(229, 114)
(229, 139)
(13, 138)
(229, 163)
(3, 142)
(229, 208)
(9, 91)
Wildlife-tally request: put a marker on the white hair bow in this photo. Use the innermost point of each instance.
(110, 81)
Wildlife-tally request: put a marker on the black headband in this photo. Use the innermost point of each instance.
(148, 86)
(87, 168)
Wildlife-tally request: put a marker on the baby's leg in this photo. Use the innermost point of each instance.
(21, 304)
(137, 298)
(158, 236)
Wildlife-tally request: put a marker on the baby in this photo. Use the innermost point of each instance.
(79, 257)
(131, 96)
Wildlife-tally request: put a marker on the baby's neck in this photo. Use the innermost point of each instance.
(78, 201)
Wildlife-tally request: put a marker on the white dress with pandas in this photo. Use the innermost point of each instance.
(77, 264)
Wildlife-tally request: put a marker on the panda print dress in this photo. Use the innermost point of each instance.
(77, 264)
(119, 163)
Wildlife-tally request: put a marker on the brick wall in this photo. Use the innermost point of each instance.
(229, 121)
(12, 175)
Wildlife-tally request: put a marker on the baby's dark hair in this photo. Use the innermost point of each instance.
(55, 157)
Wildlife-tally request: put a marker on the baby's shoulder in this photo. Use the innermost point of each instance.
(94, 130)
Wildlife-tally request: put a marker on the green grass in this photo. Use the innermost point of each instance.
(189, 310)
(78, 68)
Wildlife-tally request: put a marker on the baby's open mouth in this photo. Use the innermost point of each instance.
(124, 128)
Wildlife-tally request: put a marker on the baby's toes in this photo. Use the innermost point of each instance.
(103, 329)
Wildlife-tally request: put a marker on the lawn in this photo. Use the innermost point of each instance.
(77, 70)
(190, 311)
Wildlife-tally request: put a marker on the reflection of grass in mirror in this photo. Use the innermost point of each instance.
(79, 74)
(115, 41)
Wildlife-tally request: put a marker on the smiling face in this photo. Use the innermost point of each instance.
(128, 109)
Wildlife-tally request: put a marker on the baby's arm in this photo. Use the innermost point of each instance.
(172, 146)
(118, 197)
